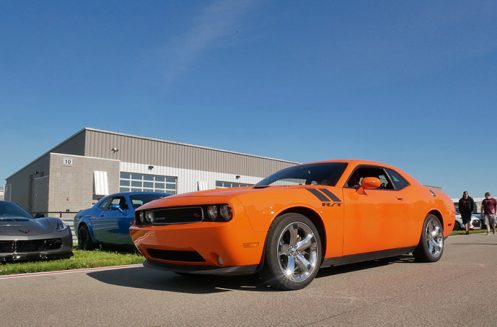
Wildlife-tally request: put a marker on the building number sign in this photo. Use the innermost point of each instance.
(67, 162)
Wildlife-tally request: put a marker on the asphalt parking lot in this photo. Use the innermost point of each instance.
(460, 290)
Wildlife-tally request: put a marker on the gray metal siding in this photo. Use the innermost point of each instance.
(21, 183)
(169, 154)
(74, 145)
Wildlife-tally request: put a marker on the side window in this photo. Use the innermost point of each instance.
(119, 200)
(362, 172)
(399, 181)
(105, 203)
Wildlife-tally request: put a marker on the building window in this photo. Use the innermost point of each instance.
(222, 184)
(132, 182)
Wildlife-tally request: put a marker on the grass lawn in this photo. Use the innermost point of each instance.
(81, 259)
(471, 231)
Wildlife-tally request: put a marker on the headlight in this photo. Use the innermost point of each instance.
(225, 212)
(149, 217)
(61, 226)
(219, 212)
(212, 212)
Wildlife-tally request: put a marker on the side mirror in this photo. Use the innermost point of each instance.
(369, 183)
(116, 207)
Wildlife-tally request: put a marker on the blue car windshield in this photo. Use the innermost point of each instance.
(9, 209)
(140, 199)
(310, 174)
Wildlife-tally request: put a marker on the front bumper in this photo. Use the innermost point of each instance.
(201, 245)
(65, 250)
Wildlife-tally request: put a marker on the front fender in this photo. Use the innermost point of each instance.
(86, 220)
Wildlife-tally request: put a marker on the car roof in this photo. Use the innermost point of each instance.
(353, 162)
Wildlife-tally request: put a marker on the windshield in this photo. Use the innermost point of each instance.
(140, 199)
(9, 209)
(311, 174)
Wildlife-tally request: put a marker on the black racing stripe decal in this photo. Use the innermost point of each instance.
(330, 194)
(318, 195)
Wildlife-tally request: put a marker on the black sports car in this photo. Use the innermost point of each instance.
(23, 237)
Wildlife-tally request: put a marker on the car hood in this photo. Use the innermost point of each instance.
(224, 195)
(19, 226)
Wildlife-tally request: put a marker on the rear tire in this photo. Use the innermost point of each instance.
(431, 244)
(293, 252)
(85, 241)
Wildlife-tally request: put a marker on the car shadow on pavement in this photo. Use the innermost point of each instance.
(144, 278)
(337, 270)
(150, 279)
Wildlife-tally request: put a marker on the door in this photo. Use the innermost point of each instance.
(96, 218)
(373, 218)
(115, 221)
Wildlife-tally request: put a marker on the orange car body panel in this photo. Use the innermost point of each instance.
(359, 222)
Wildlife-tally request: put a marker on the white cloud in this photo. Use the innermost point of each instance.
(214, 22)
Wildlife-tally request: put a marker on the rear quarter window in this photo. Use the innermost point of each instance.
(398, 181)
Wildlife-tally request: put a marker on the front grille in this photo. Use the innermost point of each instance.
(30, 246)
(186, 256)
(178, 215)
(7, 246)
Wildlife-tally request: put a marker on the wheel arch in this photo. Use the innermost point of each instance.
(314, 217)
(87, 223)
(437, 214)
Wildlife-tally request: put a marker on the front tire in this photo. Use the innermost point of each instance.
(85, 241)
(293, 252)
(431, 244)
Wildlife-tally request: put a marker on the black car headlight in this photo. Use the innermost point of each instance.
(219, 212)
(212, 212)
(144, 217)
(148, 217)
(225, 212)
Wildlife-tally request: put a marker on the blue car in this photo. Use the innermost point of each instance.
(108, 221)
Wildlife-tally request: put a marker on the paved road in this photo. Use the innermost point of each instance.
(460, 290)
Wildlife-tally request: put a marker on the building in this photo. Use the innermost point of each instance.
(93, 163)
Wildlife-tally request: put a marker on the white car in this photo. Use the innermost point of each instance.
(475, 222)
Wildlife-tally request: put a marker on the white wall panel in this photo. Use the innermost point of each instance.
(187, 178)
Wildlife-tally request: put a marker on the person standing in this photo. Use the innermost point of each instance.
(488, 210)
(466, 208)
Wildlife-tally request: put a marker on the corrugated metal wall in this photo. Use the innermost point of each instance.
(73, 145)
(162, 153)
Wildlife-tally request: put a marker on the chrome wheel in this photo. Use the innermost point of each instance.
(297, 252)
(434, 237)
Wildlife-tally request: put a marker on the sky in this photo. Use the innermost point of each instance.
(409, 83)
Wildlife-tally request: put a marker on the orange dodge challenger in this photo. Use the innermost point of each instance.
(295, 221)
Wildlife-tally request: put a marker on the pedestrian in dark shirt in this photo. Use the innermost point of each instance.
(488, 210)
(466, 208)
